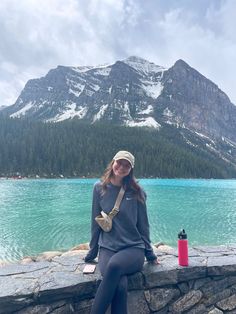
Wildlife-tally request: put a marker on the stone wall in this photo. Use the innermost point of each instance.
(57, 285)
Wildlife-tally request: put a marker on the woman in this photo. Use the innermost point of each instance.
(122, 250)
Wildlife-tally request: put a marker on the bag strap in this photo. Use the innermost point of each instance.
(115, 209)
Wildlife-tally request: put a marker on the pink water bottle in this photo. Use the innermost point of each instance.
(182, 248)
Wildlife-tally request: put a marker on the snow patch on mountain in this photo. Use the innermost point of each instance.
(23, 110)
(95, 87)
(148, 110)
(126, 107)
(103, 71)
(100, 113)
(152, 89)
(167, 112)
(147, 122)
(229, 142)
(204, 136)
(82, 69)
(142, 65)
(70, 113)
(76, 93)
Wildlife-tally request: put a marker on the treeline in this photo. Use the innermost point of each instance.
(73, 148)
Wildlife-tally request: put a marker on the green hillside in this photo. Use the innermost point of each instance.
(72, 148)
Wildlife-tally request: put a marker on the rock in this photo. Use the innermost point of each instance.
(55, 308)
(222, 265)
(159, 275)
(27, 259)
(193, 271)
(48, 256)
(213, 287)
(159, 244)
(163, 248)
(135, 281)
(201, 282)
(83, 246)
(198, 309)
(217, 297)
(159, 298)
(227, 304)
(83, 307)
(186, 302)
(183, 287)
(75, 253)
(215, 311)
(137, 303)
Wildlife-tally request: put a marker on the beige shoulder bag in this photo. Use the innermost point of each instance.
(105, 220)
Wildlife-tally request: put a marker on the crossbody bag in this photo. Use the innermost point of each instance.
(105, 220)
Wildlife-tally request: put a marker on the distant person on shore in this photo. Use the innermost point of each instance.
(123, 248)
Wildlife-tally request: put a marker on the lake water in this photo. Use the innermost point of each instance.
(54, 214)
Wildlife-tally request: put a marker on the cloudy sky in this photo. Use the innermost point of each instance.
(37, 35)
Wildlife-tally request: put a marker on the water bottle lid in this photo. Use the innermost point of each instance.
(182, 234)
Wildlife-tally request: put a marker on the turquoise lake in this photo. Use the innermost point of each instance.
(54, 214)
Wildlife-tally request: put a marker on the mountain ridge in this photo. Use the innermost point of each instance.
(134, 92)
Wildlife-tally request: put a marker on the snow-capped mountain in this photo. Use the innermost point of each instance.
(131, 92)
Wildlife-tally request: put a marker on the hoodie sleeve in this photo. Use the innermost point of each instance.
(95, 229)
(143, 228)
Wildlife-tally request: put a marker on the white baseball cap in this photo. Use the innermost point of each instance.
(123, 154)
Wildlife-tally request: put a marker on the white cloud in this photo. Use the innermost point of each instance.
(39, 35)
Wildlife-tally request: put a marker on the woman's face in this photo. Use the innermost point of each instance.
(121, 168)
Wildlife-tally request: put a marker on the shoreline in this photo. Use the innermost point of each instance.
(36, 177)
(49, 255)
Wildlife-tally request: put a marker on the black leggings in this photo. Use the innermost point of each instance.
(114, 267)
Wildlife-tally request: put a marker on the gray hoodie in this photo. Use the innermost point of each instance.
(130, 226)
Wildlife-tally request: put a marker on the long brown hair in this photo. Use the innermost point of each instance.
(129, 182)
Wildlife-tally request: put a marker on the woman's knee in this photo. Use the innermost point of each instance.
(114, 266)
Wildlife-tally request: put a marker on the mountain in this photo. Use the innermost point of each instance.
(135, 92)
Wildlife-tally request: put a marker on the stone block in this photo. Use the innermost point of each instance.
(14, 269)
(201, 282)
(211, 288)
(62, 285)
(136, 281)
(83, 307)
(60, 307)
(66, 259)
(13, 304)
(198, 309)
(186, 302)
(14, 288)
(227, 304)
(183, 287)
(159, 298)
(213, 249)
(215, 311)
(211, 300)
(162, 311)
(137, 303)
(189, 273)
(160, 278)
(158, 275)
(221, 265)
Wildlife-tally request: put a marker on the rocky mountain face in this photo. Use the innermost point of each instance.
(133, 92)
